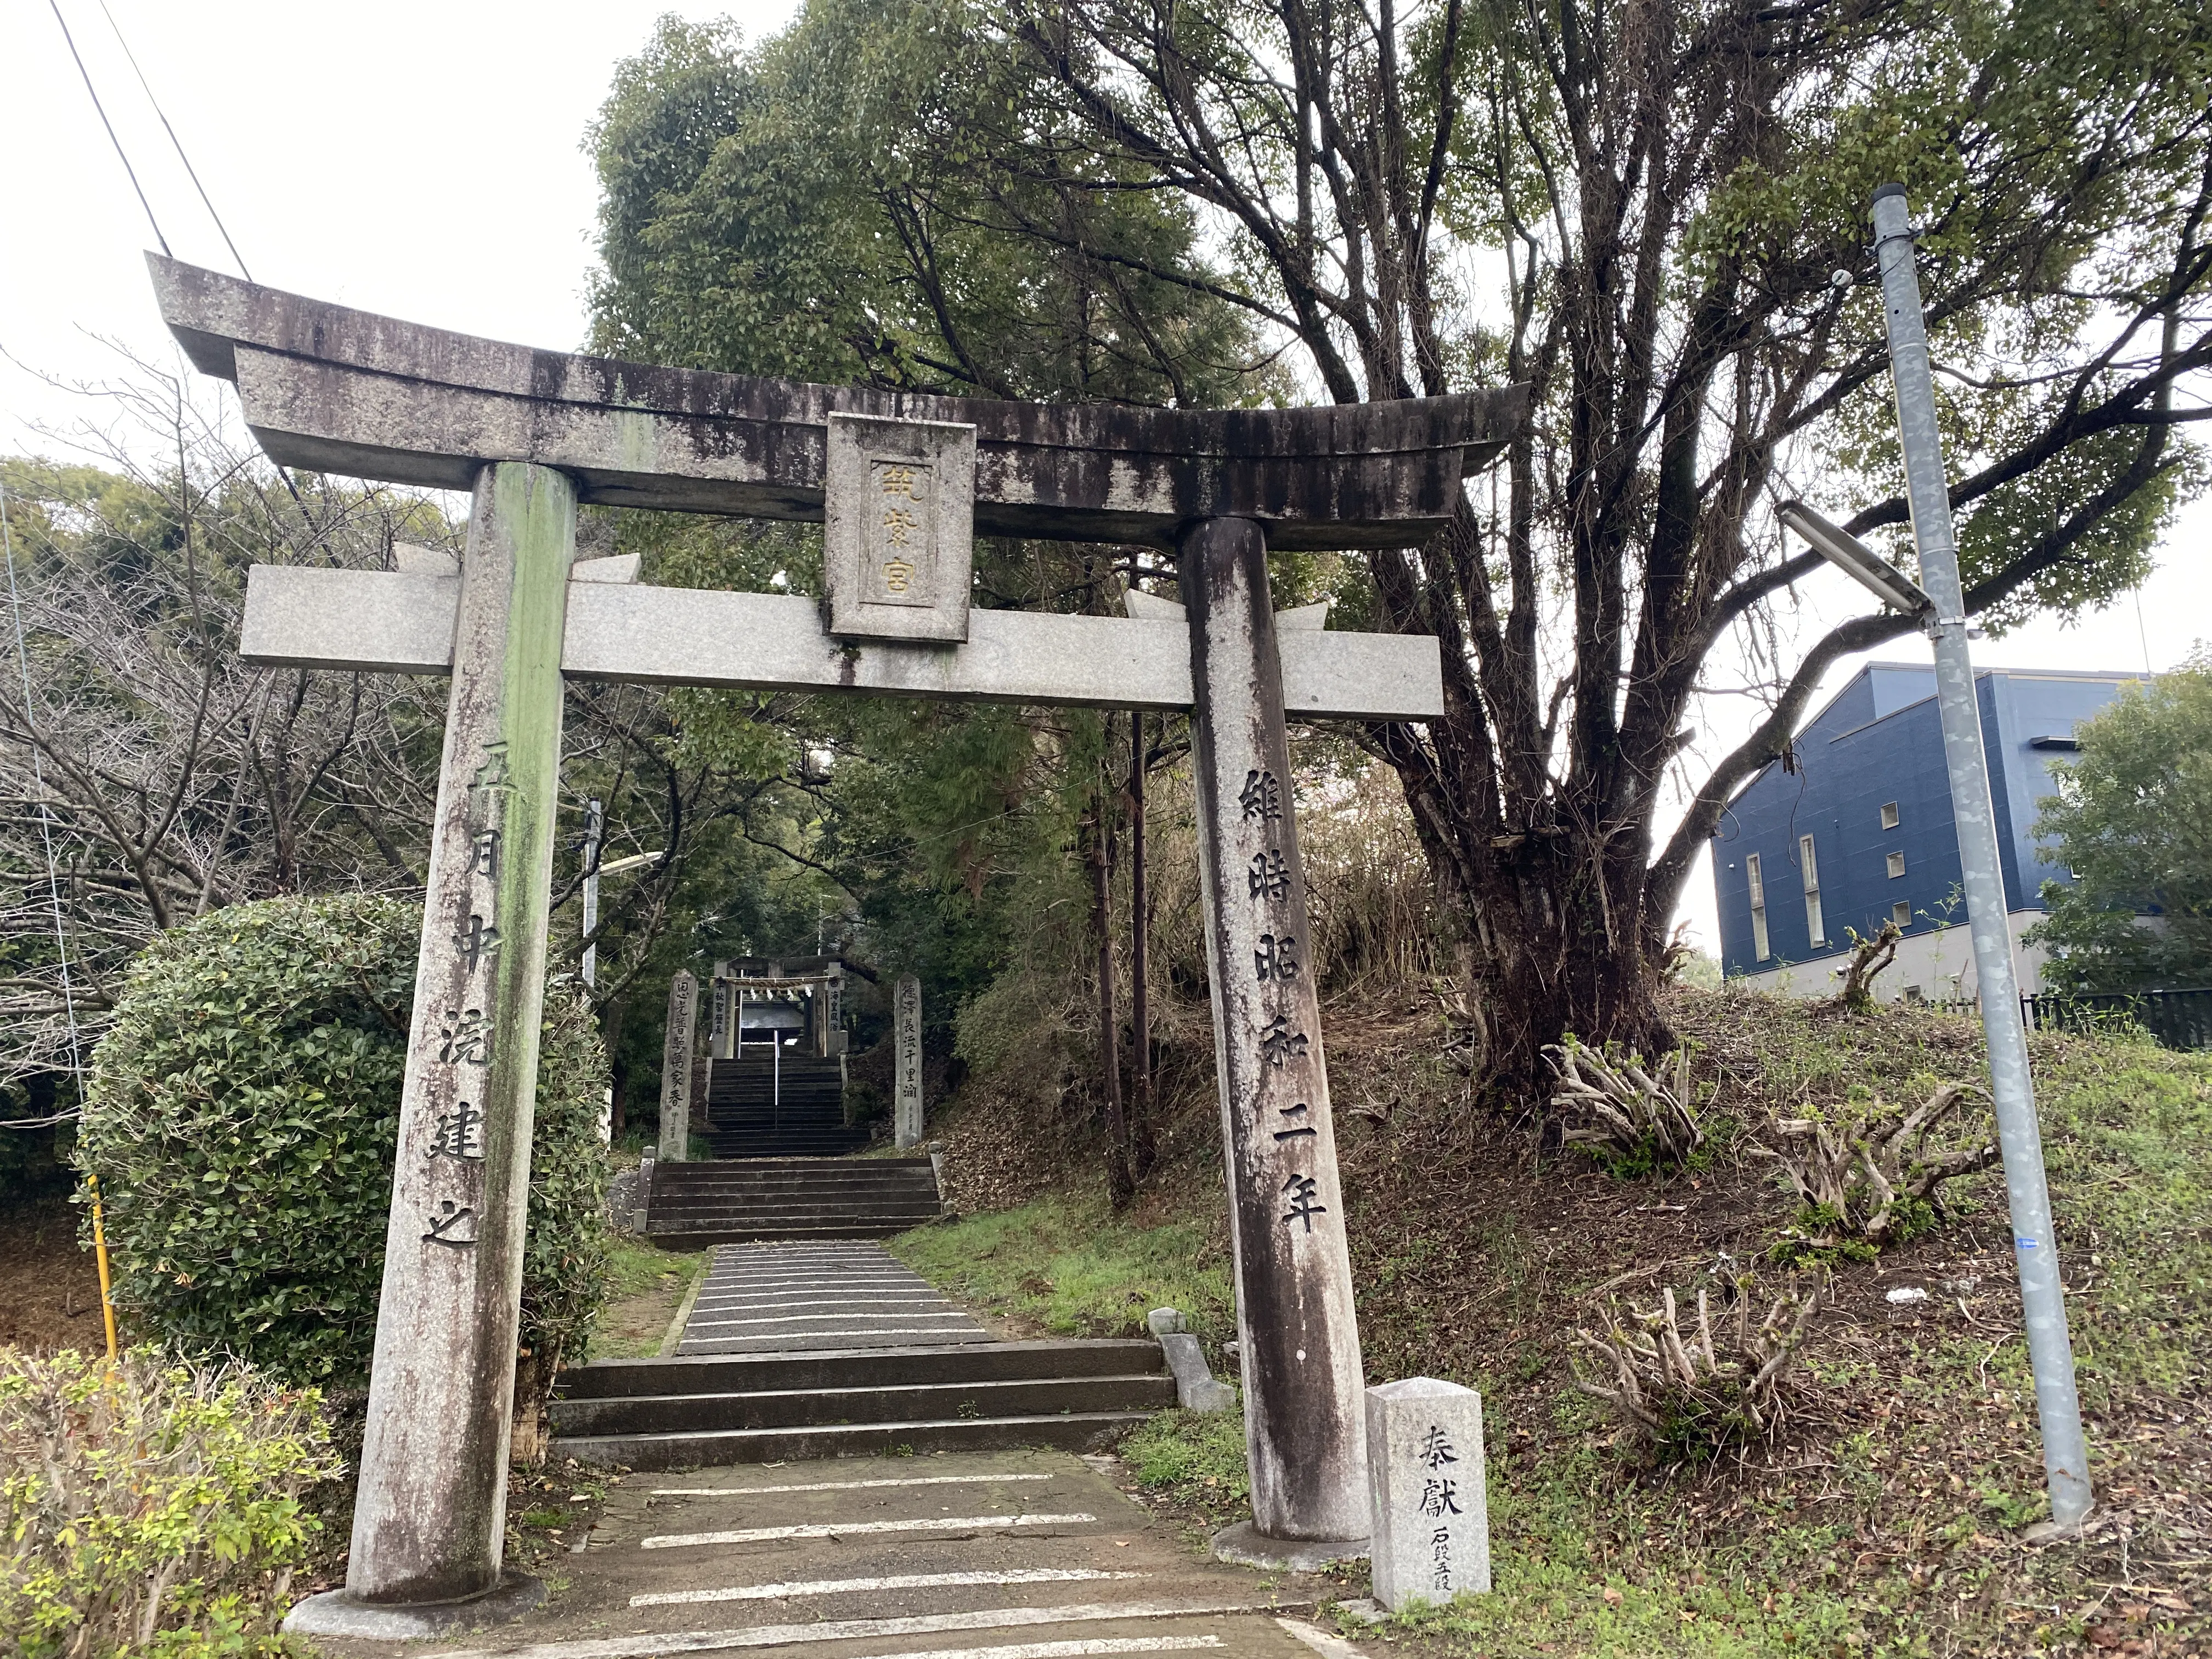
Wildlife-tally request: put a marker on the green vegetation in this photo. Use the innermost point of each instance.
(1887, 1514)
(243, 1117)
(2132, 819)
(1105, 204)
(1072, 1268)
(644, 1287)
(151, 1507)
(1195, 1457)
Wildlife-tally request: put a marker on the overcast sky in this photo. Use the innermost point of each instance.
(423, 160)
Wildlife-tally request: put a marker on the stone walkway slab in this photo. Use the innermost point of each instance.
(785, 1299)
(999, 1555)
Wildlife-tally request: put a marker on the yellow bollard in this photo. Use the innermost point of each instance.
(100, 1255)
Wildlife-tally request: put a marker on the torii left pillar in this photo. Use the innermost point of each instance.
(429, 1521)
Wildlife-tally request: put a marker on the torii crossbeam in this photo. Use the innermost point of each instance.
(900, 479)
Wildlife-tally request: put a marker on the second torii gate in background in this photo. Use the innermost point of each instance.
(903, 482)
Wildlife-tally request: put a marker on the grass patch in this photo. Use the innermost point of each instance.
(1069, 1267)
(644, 1287)
(1191, 1457)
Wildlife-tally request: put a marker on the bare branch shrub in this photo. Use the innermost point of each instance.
(1636, 1120)
(156, 773)
(1686, 1397)
(1868, 959)
(1866, 1175)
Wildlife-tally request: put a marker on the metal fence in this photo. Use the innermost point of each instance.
(2174, 1019)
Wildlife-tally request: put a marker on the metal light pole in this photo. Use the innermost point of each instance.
(595, 824)
(2035, 1250)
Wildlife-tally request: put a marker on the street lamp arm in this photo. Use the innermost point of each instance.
(1857, 560)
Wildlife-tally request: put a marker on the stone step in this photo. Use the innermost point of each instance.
(836, 1175)
(684, 1237)
(913, 1363)
(1071, 1432)
(795, 1166)
(870, 1198)
(793, 1192)
(919, 1206)
(693, 1413)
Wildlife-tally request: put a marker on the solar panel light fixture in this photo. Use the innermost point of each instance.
(1857, 560)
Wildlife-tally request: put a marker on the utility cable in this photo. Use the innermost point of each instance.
(190, 171)
(39, 780)
(109, 125)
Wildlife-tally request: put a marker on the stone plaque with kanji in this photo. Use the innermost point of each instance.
(899, 508)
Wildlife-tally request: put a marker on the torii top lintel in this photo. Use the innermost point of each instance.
(348, 392)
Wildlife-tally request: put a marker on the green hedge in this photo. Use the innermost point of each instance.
(242, 1118)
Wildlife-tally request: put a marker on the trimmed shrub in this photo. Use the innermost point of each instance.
(243, 1116)
(151, 1506)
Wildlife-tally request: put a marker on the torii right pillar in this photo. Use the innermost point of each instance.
(1304, 1429)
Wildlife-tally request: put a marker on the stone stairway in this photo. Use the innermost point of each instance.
(691, 1205)
(825, 1350)
(790, 1107)
(698, 1412)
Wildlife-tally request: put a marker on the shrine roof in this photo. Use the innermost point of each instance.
(336, 390)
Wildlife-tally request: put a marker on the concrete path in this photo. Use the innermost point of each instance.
(997, 1555)
(782, 1298)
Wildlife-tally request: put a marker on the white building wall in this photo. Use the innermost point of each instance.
(1937, 965)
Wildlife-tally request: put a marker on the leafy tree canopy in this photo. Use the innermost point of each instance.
(2132, 819)
(1635, 210)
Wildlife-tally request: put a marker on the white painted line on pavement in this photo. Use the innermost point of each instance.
(841, 1486)
(895, 1582)
(847, 1629)
(854, 1528)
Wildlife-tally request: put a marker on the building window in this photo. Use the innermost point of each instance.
(1913, 993)
(1896, 866)
(1889, 815)
(1759, 947)
(1901, 914)
(1811, 869)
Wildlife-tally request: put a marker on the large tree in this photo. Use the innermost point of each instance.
(1637, 208)
(2132, 821)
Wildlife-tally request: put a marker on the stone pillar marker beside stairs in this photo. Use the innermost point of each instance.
(907, 1060)
(675, 1067)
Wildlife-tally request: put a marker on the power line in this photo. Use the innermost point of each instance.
(109, 125)
(132, 59)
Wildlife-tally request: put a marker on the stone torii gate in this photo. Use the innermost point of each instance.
(901, 481)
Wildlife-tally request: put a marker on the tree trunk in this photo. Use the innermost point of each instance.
(1144, 1144)
(1121, 1187)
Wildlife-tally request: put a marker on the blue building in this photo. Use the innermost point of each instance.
(1855, 830)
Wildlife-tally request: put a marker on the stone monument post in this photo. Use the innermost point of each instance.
(1428, 1499)
(1298, 1338)
(907, 1005)
(430, 1519)
(675, 1067)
